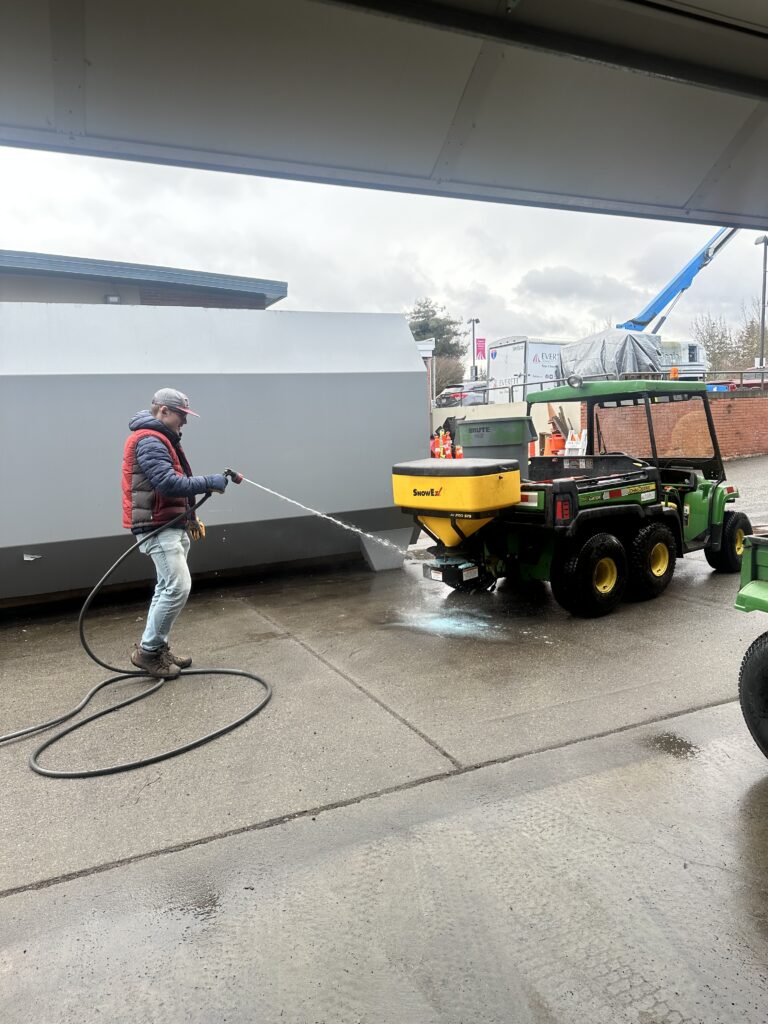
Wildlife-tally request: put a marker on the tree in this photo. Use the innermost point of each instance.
(748, 337)
(448, 370)
(728, 349)
(716, 337)
(428, 320)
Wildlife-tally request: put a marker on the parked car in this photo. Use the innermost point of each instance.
(736, 385)
(448, 396)
(476, 395)
(462, 394)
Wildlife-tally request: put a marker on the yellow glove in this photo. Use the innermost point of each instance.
(196, 530)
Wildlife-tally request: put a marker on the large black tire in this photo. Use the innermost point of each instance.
(753, 691)
(736, 526)
(591, 581)
(651, 554)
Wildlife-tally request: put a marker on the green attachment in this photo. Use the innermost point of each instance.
(530, 561)
(753, 595)
(696, 518)
(539, 565)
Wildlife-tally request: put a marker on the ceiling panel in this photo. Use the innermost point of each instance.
(305, 82)
(538, 125)
(654, 109)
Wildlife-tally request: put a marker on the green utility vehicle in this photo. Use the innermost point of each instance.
(649, 489)
(753, 677)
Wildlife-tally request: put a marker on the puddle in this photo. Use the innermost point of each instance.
(464, 625)
(448, 626)
(671, 743)
(202, 904)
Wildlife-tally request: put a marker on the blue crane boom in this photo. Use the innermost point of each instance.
(671, 292)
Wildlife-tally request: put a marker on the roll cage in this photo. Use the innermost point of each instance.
(646, 394)
(711, 466)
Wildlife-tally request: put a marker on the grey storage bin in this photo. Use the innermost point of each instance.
(506, 438)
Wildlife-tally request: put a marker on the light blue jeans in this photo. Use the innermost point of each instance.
(169, 551)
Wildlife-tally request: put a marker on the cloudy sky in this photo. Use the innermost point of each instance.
(544, 273)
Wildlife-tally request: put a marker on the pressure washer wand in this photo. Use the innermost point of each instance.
(234, 476)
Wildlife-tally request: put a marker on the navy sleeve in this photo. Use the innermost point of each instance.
(155, 463)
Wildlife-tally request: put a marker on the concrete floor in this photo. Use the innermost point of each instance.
(455, 809)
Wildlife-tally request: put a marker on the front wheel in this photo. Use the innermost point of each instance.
(591, 581)
(736, 526)
(753, 691)
(652, 554)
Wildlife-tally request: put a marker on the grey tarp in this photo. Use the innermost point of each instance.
(612, 352)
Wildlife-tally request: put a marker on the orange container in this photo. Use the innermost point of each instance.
(554, 444)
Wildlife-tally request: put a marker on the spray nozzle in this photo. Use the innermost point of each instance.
(234, 476)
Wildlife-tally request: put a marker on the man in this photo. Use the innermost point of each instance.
(157, 487)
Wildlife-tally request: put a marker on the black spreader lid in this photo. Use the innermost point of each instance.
(455, 467)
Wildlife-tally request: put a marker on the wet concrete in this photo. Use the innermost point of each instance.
(455, 809)
(602, 882)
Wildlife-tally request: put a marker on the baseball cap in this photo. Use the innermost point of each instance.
(174, 399)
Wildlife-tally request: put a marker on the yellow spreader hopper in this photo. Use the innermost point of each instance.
(454, 498)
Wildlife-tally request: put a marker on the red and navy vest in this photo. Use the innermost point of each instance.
(144, 508)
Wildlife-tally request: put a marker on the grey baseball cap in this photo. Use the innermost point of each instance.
(174, 399)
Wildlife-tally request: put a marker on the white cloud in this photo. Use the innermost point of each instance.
(521, 271)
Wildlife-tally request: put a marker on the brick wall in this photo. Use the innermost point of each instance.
(741, 422)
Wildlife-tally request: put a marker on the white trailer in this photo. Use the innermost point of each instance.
(518, 364)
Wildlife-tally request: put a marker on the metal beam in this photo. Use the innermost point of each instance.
(503, 28)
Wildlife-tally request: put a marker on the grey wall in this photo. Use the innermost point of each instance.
(316, 406)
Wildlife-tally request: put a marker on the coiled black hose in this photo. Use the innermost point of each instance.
(127, 766)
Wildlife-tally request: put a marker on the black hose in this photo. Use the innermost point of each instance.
(127, 766)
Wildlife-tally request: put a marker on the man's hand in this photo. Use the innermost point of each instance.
(196, 530)
(217, 482)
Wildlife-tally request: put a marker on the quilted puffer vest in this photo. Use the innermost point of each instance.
(143, 508)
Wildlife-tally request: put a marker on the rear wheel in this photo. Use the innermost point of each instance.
(590, 582)
(736, 526)
(652, 553)
(753, 691)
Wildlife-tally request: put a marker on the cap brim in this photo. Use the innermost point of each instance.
(186, 412)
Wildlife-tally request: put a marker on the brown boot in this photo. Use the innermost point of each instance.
(154, 663)
(177, 659)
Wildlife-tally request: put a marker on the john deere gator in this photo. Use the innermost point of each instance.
(599, 527)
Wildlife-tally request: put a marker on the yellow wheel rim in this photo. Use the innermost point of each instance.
(605, 575)
(739, 542)
(659, 559)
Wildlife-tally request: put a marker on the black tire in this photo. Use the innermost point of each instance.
(591, 581)
(651, 554)
(753, 691)
(736, 526)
